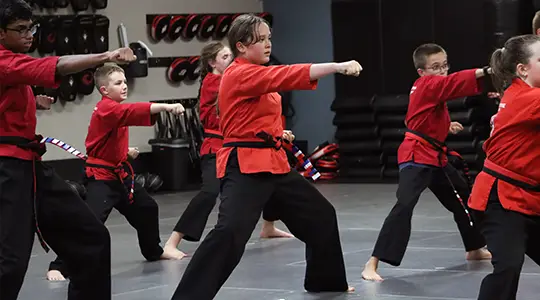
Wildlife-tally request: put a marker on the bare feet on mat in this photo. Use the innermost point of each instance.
(170, 252)
(269, 232)
(54, 275)
(370, 270)
(479, 254)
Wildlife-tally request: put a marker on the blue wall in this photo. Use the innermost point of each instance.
(299, 37)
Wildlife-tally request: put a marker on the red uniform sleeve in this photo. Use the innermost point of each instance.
(459, 84)
(255, 80)
(128, 114)
(16, 68)
(209, 93)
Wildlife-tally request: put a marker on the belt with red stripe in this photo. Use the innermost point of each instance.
(38, 148)
(118, 169)
(442, 149)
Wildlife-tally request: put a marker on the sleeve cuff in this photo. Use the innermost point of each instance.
(53, 80)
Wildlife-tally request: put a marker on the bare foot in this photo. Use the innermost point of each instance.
(269, 233)
(170, 252)
(350, 289)
(54, 275)
(479, 254)
(370, 270)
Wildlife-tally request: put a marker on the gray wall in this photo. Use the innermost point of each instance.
(69, 122)
(299, 36)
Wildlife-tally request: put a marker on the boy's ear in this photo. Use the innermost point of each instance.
(103, 90)
(420, 72)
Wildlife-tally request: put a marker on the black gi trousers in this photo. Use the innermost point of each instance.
(292, 198)
(194, 219)
(413, 180)
(509, 235)
(66, 223)
(143, 214)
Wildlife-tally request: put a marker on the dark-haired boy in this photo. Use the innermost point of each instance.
(421, 165)
(33, 198)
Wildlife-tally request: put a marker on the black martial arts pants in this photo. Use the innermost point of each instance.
(143, 214)
(194, 219)
(305, 211)
(67, 224)
(413, 180)
(509, 235)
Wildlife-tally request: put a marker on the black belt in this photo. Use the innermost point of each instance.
(212, 135)
(512, 181)
(24, 143)
(102, 167)
(268, 142)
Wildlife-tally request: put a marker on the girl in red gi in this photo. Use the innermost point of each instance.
(215, 57)
(423, 166)
(506, 193)
(33, 198)
(255, 173)
(108, 185)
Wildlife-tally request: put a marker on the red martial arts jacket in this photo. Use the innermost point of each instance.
(514, 149)
(17, 102)
(107, 141)
(248, 104)
(428, 113)
(208, 113)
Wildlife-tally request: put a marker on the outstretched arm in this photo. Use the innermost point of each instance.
(256, 80)
(17, 68)
(70, 64)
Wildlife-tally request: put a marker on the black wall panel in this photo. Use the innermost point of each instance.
(356, 26)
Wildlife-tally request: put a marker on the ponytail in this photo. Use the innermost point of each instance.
(504, 61)
(501, 76)
(208, 53)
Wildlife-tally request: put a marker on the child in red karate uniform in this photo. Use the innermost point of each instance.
(255, 173)
(506, 194)
(215, 58)
(422, 166)
(108, 184)
(33, 198)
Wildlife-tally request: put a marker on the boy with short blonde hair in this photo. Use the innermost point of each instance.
(108, 184)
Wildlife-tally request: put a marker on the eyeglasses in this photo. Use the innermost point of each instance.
(438, 68)
(25, 30)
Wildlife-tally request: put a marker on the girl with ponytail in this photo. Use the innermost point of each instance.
(215, 58)
(506, 194)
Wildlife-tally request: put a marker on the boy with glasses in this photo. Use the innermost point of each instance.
(33, 198)
(421, 165)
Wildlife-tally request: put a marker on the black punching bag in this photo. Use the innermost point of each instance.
(139, 67)
(501, 22)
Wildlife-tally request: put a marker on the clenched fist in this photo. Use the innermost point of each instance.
(455, 127)
(121, 56)
(288, 135)
(44, 102)
(351, 68)
(133, 152)
(176, 108)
